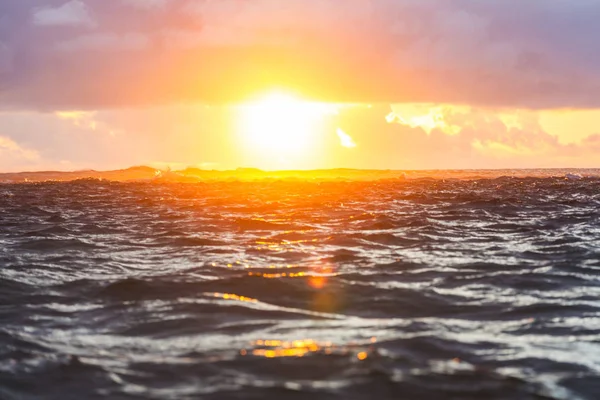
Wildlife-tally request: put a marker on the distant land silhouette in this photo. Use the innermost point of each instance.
(149, 174)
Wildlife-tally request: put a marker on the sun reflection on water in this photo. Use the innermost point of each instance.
(278, 348)
(230, 296)
(320, 278)
(278, 275)
(301, 348)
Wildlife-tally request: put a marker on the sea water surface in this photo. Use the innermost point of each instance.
(399, 289)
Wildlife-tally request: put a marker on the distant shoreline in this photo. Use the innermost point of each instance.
(149, 174)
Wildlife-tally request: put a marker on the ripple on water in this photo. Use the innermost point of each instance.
(419, 288)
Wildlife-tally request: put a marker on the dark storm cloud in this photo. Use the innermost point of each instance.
(57, 54)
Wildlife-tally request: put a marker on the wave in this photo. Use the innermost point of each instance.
(420, 287)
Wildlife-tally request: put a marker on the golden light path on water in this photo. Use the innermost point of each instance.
(317, 279)
(301, 348)
(297, 348)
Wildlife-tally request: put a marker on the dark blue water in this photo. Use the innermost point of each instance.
(408, 289)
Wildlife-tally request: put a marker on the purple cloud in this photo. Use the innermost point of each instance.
(57, 54)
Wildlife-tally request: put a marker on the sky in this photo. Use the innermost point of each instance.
(386, 84)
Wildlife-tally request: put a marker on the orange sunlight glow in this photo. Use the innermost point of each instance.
(281, 127)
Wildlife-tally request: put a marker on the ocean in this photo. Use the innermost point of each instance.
(424, 288)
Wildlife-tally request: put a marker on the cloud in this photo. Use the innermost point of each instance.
(425, 116)
(83, 119)
(197, 134)
(345, 139)
(12, 155)
(118, 138)
(8, 145)
(147, 4)
(146, 52)
(73, 13)
(6, 59)
(104, 42)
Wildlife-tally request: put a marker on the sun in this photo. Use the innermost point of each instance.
(279, 127)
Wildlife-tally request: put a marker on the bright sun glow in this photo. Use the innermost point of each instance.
(345, 139)
(279, 126)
